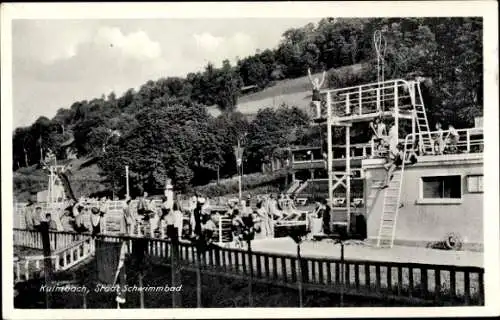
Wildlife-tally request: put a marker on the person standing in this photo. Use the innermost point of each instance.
(452, 138)
(81, 215)
(379, 131)
(127, 220)
(326, 217)
(208, 228)
(51, 223)
(197, 213)
(96, 220)
(143, 206)
(438, 139)
(28, 215)
(264, 218)
(67, 221)
(37, 218)
(178, 219)
(316, 87)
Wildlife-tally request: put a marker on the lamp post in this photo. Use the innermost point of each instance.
(239, 163)
(127, 182)
(309, 153)
(238, 151)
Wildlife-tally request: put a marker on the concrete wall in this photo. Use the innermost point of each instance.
(420, 222)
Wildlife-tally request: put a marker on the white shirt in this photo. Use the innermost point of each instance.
(381, 129)
(453, 131)
(393, 139)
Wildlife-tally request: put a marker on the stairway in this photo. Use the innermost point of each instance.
(293, 187)
(29, 267)
(301, 187)
(421, 118)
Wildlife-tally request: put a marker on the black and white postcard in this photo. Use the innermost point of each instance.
(250, 159)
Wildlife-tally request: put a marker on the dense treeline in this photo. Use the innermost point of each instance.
(164, 128)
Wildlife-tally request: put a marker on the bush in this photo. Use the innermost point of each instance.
(251, 181)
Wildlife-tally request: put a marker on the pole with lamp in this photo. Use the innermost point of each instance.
(238, 151)
(311, 171)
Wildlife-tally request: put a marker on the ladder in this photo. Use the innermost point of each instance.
(392, 198)
(421, 117)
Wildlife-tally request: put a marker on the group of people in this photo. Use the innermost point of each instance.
(168, 220)
(387, 141)
(384, 141)
(446, 143)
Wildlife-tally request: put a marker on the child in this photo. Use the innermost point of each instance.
(50, 222)
(452, 139)
(438, 139)
(379, 132)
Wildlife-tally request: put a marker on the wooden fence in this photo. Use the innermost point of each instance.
(410, 282)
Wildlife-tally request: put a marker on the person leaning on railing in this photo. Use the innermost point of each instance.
(67, 221)
(51, 223)
(438, 139)
(451, 139)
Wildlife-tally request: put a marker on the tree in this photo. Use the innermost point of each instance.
(172, 141)
(269, 130)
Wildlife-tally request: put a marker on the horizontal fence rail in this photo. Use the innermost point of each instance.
(440, 284)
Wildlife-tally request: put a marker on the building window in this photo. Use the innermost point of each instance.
(475, 183)
(443, 187)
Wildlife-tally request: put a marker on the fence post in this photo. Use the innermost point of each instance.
(47, 260)
(468, 140)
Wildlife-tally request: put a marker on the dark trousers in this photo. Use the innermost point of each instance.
(172, 232)
(326, 226)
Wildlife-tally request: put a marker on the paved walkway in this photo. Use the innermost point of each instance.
(326, 248)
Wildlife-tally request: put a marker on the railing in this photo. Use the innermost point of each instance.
(27, 268)
(58, 240)
(457, 285)
(358, 151)
(470, 140)
(74, 254)
(373, 97)
(70, 253)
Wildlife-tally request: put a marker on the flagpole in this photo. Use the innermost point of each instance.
(240, 163)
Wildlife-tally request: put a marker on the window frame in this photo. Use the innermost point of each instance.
(477, 176)
(422, 200)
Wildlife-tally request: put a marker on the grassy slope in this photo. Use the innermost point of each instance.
(293, 92)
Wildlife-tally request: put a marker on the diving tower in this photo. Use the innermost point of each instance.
(396, 100)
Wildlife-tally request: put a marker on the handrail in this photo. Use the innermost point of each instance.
(393, 81)
(469, 132)
(71, 246)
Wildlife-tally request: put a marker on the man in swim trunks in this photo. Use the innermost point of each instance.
(316, 96)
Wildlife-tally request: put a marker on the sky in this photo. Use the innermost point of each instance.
(58, 62)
